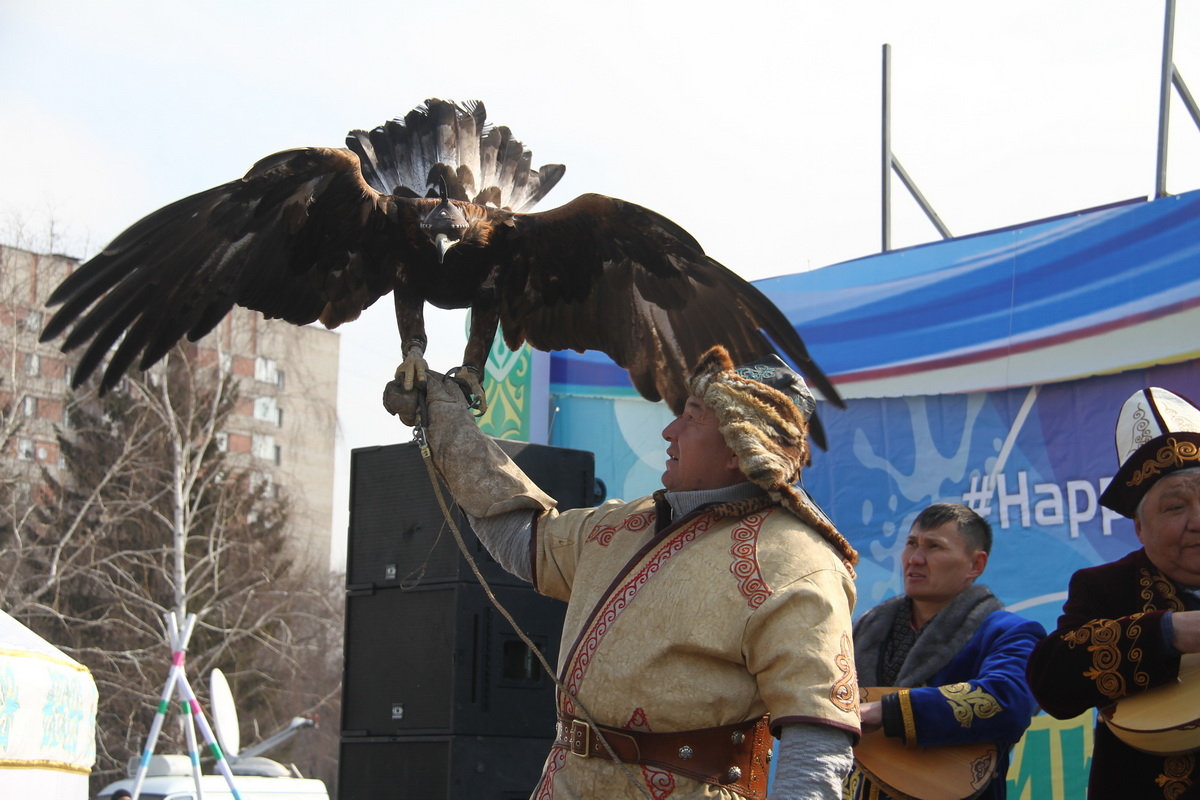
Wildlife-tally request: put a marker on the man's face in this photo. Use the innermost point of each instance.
(697, 456)
(1169, 526)
(938, 564)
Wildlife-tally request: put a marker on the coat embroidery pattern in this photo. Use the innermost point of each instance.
(558, 757)
(970, 703)
(745, 560)
(858, 787)
(660, 782)
(1156, 592)
(1103, 638)
(844, 693)
(1176, 775)
(1157, 587)
(603, 534)
(618, 601)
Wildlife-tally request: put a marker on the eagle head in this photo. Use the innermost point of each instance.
(444, 226)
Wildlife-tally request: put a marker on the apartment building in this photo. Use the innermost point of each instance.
(283, 430)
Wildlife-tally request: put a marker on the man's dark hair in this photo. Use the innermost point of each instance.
(974, 528)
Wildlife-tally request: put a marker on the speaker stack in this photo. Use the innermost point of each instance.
(441, 699)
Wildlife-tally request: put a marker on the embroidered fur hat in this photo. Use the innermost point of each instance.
(1158, 432)
(762, 411)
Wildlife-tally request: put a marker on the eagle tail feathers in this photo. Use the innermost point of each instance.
(408, 157)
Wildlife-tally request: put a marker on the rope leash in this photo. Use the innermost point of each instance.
(421, 438)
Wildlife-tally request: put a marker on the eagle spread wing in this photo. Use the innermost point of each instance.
(432, 209)
(604, 274)
(301, 237)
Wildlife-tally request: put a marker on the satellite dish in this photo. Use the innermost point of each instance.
(225, 716)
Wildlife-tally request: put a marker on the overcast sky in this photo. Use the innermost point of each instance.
(756, 126)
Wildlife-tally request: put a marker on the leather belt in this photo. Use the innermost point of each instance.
(735, 757)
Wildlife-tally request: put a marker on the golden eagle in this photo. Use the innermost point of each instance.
(433, 209)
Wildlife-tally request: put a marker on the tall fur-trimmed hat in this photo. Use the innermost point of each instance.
(762, 411)
(1158, 432)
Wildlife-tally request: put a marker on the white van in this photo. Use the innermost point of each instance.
(170, 778)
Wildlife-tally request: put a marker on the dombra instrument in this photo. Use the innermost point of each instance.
(1164, 720)
(913, 772)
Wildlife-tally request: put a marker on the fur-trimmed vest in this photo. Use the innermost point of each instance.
(945, 635)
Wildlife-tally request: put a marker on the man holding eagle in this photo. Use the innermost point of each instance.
(700, 620)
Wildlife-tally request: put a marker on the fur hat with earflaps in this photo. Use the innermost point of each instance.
(762, 411)
(1158, 432)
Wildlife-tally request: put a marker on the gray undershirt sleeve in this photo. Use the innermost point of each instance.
(813, 762)
(508, 537)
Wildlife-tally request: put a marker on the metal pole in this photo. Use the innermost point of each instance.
(1188, 100)
(886, 189)
(1164, 99)
(911, 185)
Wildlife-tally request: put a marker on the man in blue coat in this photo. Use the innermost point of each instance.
(957, 656)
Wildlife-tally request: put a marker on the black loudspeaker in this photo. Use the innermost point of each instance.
(398, 531)
(440, 659)
(440, 696)
(421, 768)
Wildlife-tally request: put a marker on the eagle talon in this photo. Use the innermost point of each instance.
(412, 371)
(467, 377)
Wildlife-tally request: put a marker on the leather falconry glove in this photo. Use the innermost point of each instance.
(480, 476)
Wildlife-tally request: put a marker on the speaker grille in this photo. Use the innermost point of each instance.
(398, 533)
(442, 660)
(452, 767)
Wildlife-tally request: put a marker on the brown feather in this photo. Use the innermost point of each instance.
(322, 233)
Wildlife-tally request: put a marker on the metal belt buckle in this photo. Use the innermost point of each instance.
(581, 738)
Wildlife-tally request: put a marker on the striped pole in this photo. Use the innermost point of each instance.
(178, 652)
(222, 764)
(189, 729)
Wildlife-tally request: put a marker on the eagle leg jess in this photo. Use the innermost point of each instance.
(468, 378)
(485, 318)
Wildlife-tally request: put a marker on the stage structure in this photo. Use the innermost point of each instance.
(985, 369)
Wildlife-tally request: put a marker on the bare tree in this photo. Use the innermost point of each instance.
(148, 516)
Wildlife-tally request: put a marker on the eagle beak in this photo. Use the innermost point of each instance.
(445, 220)
(443, 243)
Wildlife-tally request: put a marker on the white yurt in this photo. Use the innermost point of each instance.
(47, 718)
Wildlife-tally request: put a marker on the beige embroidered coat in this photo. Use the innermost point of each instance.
(719, 618)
